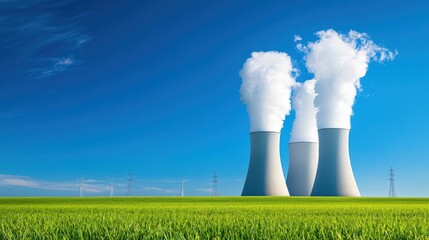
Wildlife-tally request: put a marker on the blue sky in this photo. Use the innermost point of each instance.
(152, 88)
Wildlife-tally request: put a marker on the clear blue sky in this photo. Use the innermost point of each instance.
(100, 89)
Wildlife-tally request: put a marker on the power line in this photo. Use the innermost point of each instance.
(392, 190)
(214, 185)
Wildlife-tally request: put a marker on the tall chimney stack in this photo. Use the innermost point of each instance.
(334, 175)
(303, 158)
(265, 174)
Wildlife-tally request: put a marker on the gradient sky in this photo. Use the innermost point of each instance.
(151, 88)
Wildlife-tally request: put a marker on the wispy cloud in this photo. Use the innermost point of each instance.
(101, 187)
(57, 66)
(205, 190)
(65, 62)
(160, 189)
(23, 4)
(18, 182)
(8, 114)
(36, 41)
(89, 186)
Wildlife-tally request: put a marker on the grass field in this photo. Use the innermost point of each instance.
(214, 218)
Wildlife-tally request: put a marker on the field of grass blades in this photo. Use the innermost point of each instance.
(214, 218)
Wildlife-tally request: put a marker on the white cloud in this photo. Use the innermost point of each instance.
(304, 128)
(338, 63)
(267, 79)
(65, 61)
(159, 189)
(83, 40)
(18, 182)
(8, 114)
(206, 190)
(58, 65)
(90, 186)
(36, 41)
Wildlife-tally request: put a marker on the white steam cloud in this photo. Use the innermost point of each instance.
(338, 62)
(304, 128)
(267, 79)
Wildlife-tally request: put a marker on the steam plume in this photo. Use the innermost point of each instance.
(338, 62)
(267, 79)
(304, 127)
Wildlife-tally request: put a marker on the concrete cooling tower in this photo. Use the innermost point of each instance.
(265, 174)
(334, 175)
(303, 158)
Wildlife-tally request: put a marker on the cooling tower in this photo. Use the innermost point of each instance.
(334, 175)
(265, 175)
(303, 157)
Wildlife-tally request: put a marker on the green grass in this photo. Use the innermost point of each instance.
(214, 218)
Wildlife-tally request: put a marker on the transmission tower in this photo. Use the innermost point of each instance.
(111, 187)
(130, 185)
(182, 187)
(214, 185)
(392, 190)
(80, 187)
